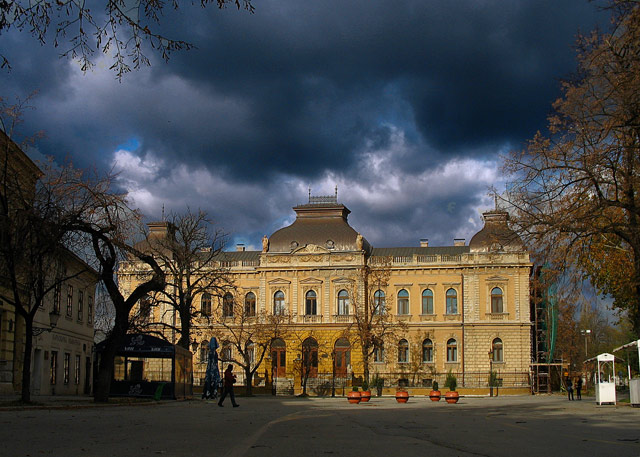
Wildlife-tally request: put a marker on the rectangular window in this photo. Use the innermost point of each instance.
(69, 301)
(378, 354)
(57, 297)
(76, 371)
(89, 309)
(67, 362)
(80, 304)
(53, 372)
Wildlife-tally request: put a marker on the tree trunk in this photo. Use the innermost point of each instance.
(26, 363)
(248, 376)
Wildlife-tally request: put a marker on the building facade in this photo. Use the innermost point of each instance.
(460, 309)
(62, 355)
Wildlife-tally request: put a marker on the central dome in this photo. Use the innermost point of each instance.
(321, 222)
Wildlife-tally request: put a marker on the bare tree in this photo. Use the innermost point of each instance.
(576, 190)
(121, 29)
(308, 347)
(374, 325)
(249, 333)
(189, 251)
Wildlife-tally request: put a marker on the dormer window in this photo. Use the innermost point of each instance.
(294, 244)
(330, 244)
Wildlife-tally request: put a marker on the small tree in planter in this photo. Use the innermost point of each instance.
(354, 395)
(378, 382)
(365, 395)
(451, 382)
(435, 394)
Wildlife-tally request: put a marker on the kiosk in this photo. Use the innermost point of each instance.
(146, 366)
(605, 379)
(634, 383)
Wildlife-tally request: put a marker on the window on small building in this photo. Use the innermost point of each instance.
(403, 351)
(80, 305)
(379, 303)
(66, 367)
(69, 301)
(452, 301)
(496, 300)
(89, 309)
(403, 302)
(250, 304)
(452, 350)
(311, 305)
(427, 351)
(496, 346)
(205, 304)
(53, 368)
(227, 305)
(76, 371)
(343, 303)
(427, 301)
(278, 303)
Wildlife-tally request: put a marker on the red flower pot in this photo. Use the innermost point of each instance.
(365, 396)
(434, 395)
(354, 397)
(451, 397)
(402, 397)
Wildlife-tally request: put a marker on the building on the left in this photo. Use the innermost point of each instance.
(63, 327)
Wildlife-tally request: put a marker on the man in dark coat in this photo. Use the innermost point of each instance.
(229, 381)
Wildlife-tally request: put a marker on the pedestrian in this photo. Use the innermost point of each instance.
(569, 389)
(579, 388)
(229, 381)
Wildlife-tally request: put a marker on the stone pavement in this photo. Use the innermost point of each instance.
(288, 426)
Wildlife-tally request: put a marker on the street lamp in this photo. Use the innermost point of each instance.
(53, 321)
(586, 333)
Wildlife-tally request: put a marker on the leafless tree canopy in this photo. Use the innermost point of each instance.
(122, 28)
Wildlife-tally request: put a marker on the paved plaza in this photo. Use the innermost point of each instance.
(287, 426)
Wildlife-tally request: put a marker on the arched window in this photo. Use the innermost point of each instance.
(205, 304)
(427, 351)
(403, 302)
(496, 300)
(278, 357)
(343, 303)
(427, 301)
(278, 303)
(310, 358)
(403, 351)
(251, 352)
(452, 350)
(250, 304)
(378, 352)
(379, 303)
(227, 305)
(452, 301)
(496, 347)
(226, 353)
(311, 304)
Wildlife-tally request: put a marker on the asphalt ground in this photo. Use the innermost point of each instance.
(288, 426)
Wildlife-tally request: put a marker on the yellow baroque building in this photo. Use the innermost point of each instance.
(462, 309)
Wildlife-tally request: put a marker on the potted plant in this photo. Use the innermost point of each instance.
(365, 395)
(451, 382)
(435, 394)
(402, 396)
(354, 395)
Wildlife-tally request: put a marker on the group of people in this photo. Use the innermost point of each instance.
(212, 380)
(578, 389)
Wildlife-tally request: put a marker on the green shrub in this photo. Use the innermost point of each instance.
(435, 385)
(451, 382)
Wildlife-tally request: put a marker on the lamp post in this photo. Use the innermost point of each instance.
(585, 333)
(53, 321)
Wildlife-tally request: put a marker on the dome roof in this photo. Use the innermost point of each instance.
(321, 224)
(496, 235)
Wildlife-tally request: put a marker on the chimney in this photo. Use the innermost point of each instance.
(424, 242)
(240, 247)
(458, 241)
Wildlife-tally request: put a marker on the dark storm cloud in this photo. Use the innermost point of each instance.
(404, 104)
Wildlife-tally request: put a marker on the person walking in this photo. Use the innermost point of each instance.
(579, 388)
(569, 389)
(229, 381)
